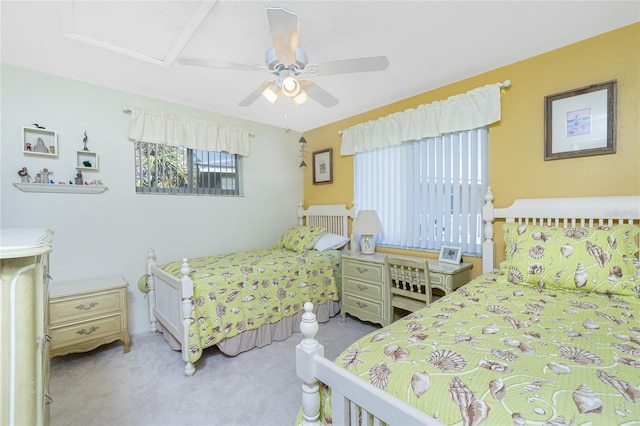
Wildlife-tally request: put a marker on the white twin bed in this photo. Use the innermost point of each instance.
(238, 301)
(550, 336)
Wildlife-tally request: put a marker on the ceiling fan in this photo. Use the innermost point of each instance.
(290, 65)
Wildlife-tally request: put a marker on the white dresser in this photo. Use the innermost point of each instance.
(24, 328)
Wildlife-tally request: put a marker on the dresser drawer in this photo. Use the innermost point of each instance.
(363, 308)
(363, 271)
(94, 329)
(86, 306)
(372, 291)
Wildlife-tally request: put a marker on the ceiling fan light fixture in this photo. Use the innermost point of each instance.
(291, 86)
(300, 98)
(271, 93)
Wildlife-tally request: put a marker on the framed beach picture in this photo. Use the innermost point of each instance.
(580, 122)
(449, 254)
(322, 166)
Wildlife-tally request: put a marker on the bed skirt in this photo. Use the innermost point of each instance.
(266, 334)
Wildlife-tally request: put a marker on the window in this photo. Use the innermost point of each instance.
(165, 169)
(428, 193)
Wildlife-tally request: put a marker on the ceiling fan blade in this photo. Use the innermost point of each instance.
(351, 65)
(255, 94)
(216, 63)
(284, 32)
(316, 92)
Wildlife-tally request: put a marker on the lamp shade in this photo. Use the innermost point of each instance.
(367, 223)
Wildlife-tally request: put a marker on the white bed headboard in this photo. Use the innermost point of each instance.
(574, 211)
(333, 217)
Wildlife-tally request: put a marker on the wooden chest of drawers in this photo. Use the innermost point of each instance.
(89, 313)
(363, 290)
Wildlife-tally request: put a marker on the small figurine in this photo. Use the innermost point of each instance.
(24, 175)
(40, 146)
(85, 140)
(78, 177)
(45, 175)
(38, 178)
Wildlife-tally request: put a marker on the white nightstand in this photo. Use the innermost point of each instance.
(88, 313)
(364, 292)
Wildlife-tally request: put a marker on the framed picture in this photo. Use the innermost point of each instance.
(39, 141)
(580, 122)
(323, 166)
(450, 254)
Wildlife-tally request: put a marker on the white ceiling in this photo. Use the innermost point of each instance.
(132, 46)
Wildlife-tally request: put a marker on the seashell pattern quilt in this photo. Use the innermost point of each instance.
(499, 353)
(245, 290)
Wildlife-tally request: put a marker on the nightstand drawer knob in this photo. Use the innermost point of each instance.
(91, 330)
(362, 270)
(362, 287)
(361, 305)
(83, 307)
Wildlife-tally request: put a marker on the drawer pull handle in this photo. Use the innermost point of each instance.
(47, 399)
(83, 307)
(84, 331)
(362, 287)
(361, 270)
(361, 305)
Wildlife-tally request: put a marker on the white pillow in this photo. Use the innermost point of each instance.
(330, 241)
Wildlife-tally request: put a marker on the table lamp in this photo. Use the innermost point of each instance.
(367, 224)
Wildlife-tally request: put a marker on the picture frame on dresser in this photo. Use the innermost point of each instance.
(450, 254)
(580, 122)
(39, 141)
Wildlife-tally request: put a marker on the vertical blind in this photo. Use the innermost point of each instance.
(428, 193)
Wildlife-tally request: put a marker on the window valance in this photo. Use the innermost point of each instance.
(169, 129)
(476, 108)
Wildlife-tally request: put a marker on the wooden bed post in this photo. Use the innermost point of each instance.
(488, 246)
(306, 351)
(187, 294)
(151, 283)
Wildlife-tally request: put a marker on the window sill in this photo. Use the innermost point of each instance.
(60, 188)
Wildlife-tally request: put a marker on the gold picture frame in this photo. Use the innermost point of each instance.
(580, 122)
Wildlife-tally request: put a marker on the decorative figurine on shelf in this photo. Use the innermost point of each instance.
(24, 175)
(38, 178)
(40, 146)
(85, 140)
(86, 163)
(45, 175)
(78, 177)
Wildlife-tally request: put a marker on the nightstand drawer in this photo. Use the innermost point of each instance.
(75, 333)
(86, 306)
(372, 291)
(363, 308)
(363, 271)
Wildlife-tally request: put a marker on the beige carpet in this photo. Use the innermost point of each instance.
(147, 386)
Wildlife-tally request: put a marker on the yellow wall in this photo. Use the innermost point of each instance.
(516, 163)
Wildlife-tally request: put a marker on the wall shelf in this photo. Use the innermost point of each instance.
(60, 188)
(37, 141)
(91, 158)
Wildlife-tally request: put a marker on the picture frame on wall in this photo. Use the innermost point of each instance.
(581, 122)
(323, 166)
(450, 254)
(39, 141)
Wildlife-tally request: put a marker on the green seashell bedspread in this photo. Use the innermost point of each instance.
(499, 353)
(245, 290)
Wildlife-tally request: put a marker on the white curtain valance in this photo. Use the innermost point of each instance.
(169, 129)
(476, 108)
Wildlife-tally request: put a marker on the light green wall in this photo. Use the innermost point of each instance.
(109, 233)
